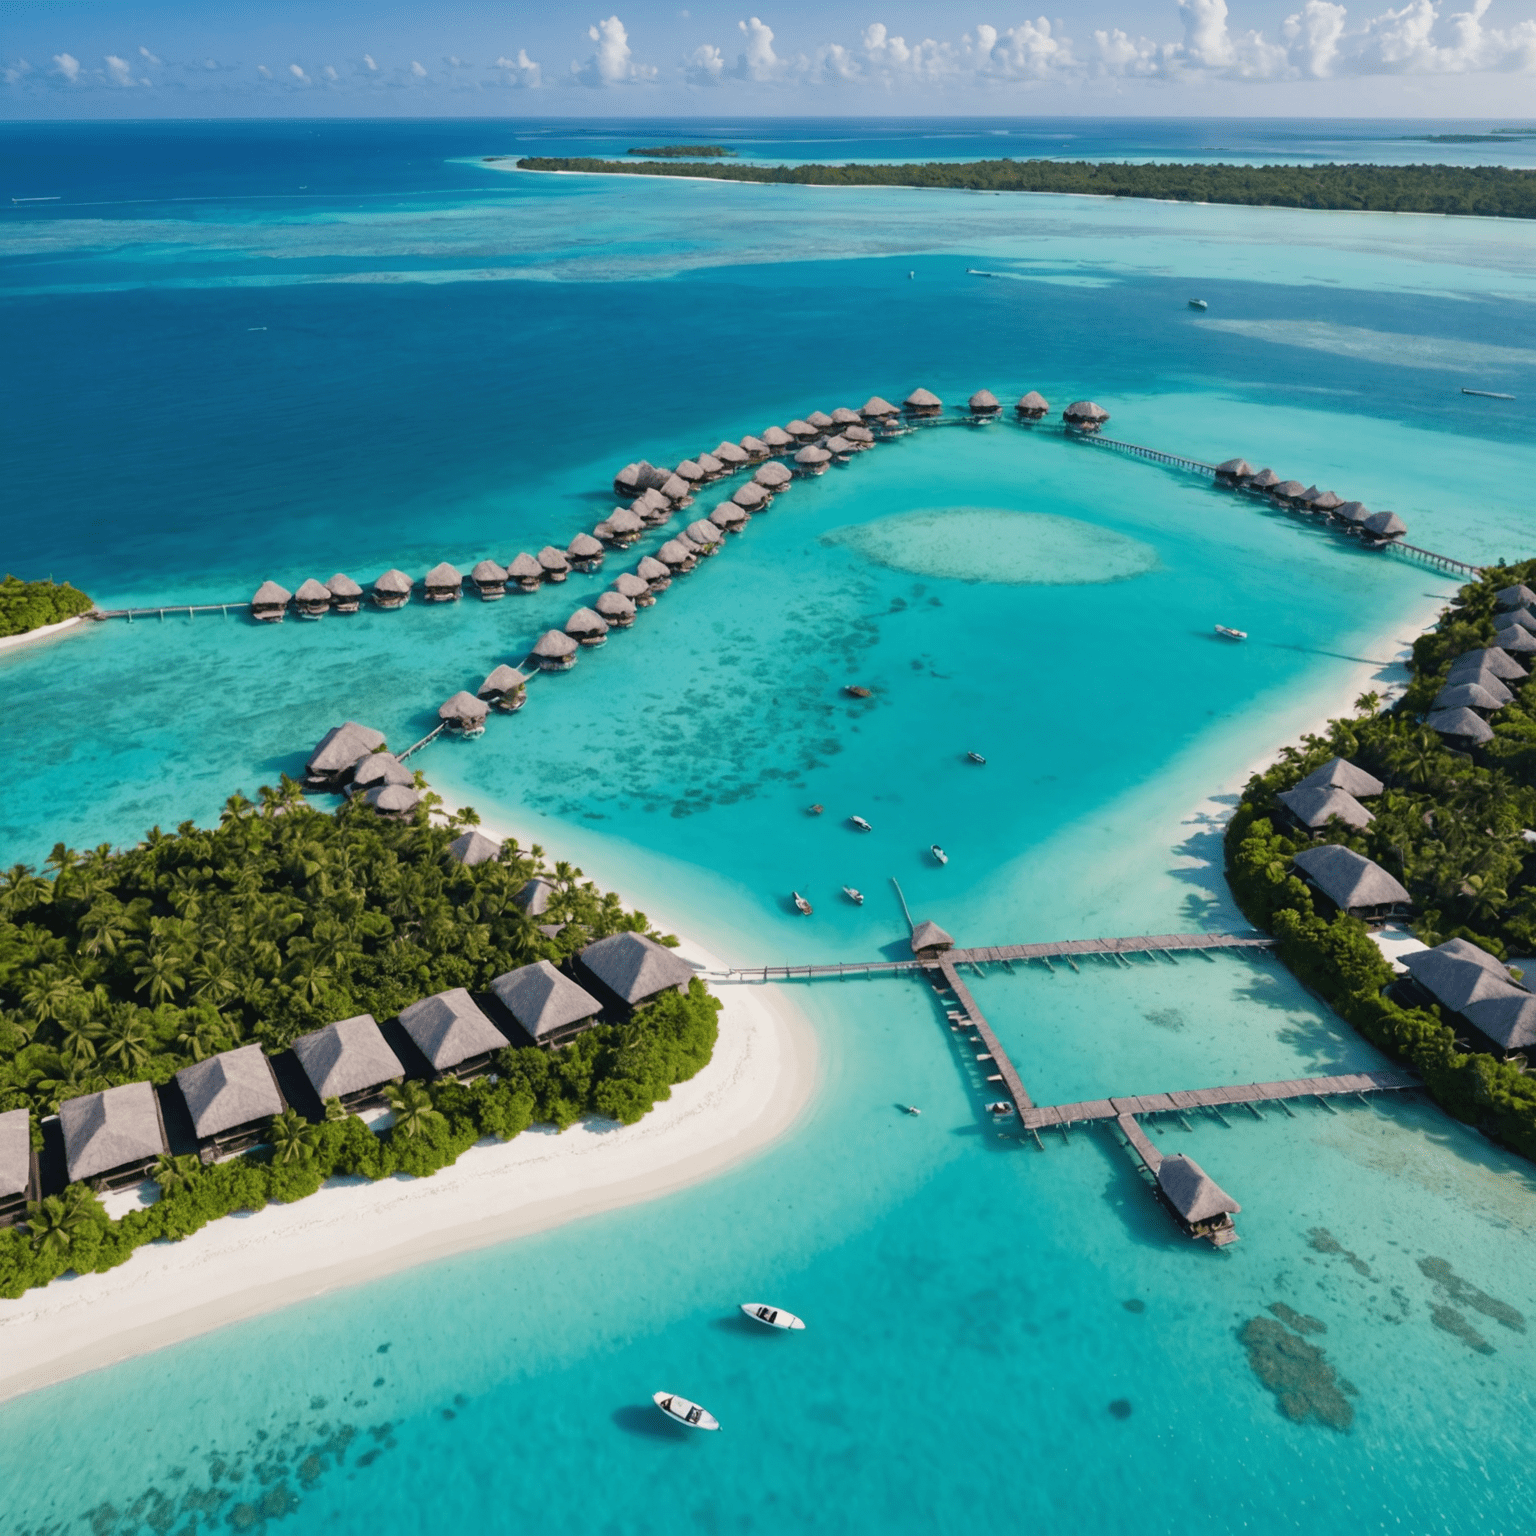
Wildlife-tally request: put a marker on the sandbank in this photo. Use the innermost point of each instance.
(42, 632)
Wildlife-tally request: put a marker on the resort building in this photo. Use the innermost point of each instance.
(1340, 773)
(397, 801)
(1088, 417)
(1515, 597)
(506, 688)
(349, 1060)
(1477, 988)
(464, 712)
(1500, 663)
(490, 580)
(1462, 728)
(1234, 472)
(616, 610)
(444, 584)
(312, 601)
(113, 1138)
(473, 847)
(929, 940)
(346, 595)
(1481, 691)
(526, 572)
(18, 1165)
(922, 402)
(392, 589)
(270, 603)
(984, 403)
(1312, 807)
(585, 553)
(587, 627)
(452, 1033)
(548, 1006)
(232, 1098)
(379, 768)
(1202, 1206)
(634, 969)
(554, 651)
(1353, 883)
(338, 752)
(535, 895)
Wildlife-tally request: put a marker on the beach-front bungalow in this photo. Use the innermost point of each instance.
(984, 404)
(929, 941)
(548, 1006)
(349, 1060)
(876, 408)
(922, 402)
(554, 651)
(635, 478)
(270, 603)
(392, 589)
(452, 1033)
(490, 580)
(1086, 416)
(839, 447)
(312, 601)
(1491, 659)
(1353, 883)
(587, 627)
(346, 595)
(396, 801)
(474, 847)
(1483, 692)
(526, 572)
(585, 553)
(636, 588)
(861, 438)
(1467, 981)
(654, 508)
(616, 610)
(1340, 773)
(463, 712)
(444, 584)
(379, 768)
(1235, 472)
(1515, 597)
(844, 417)
(338, 752)
(623, 525)
(18, 1165)
(1031, 406)
(690, 473)
(553, 563)
(1326, 501)
(232, 1098)
(1462, 728)
(1202, 1206)
(112, 1138)
(1288, 491)
(1313, 807)
(535, 896)
(633, 969)
(506, 688)
(1348, 515)
(1521, 618)
(677, 490)
(773, 477)
(1516, 640)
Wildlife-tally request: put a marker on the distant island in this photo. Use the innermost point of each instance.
(29, 605)
(684, 152)
(1497, 136)
(1491, 191)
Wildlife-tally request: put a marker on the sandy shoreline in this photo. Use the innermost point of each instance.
(43, 632)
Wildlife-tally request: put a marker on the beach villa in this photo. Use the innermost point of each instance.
(232, 1098)
(113, 1138)
(349, 1060)
(452, 1033)
(632, 969)
(549, 1007)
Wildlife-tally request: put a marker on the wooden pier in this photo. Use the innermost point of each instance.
(175, 609)
(1152, 455)
(1440, 562)
(977, 1020)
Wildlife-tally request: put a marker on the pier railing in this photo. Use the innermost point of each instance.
(1152, 455)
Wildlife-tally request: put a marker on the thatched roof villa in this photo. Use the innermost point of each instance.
(633, 969)
(1500, 663)
(777, 439)
(922, 402)
(689, 472)
(463, 712)
(554, 651)
(232, 1098)
(1340, 773)
(860, 437)
(1515, 597)
(1461, 728)
(312, 601)
(752, 497)
(338, 752)
(1288, 491)
(711, 466)
(1202, 1206)
(18, 1165)
(731, 454)
(636, 588)
(624, 526)
(1085, 415)
(677, 490)
(677, 556)
(397, 801)
(843, 417)
(444, 584)
(473, 848)
(635, 478)
(1326, 501)
(379, 768)
(553, 563)
(1487, 694)
(773, 477)
(534, 897)
(1235, 471)
(802, 431)
(549, 1007)
(1384, 526)
(812, 460)
(112, 1138)
(655, 573)
(754, 448)
(346, 595)
(1264, 480)
(392, 589)
(452, 1033)
(984, 403)
(1475, 986)
(820, 420)
(349, 1060)
(584, 552)
(587, 627)
(616, 610)
(1516, 640)
(1313, 808)
(730, 514)
(928, 940)
(1350, 514)
(706, 536)
(876, 408)
(490, 580)
(839, 447)
(1031, 406)
(1352, 882)
(526, 572)
(653, 507)
(270, 603)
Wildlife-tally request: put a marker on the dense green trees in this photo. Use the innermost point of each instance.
(1489, 190)
(28, 605)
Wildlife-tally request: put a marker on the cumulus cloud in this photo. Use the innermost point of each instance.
(118, 71)
(368, 61)
(522, 71)
(67, 65)
(14, 74)
(297, 71)
(263, 71)
(146, 55)
(704, 66)
(759, 62)
(613, 62)
(418, 69)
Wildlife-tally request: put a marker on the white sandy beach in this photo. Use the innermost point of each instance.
(43, 632)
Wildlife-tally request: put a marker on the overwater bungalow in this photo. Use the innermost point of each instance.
(584, 552)
(1234, 472)
(1202, 1207)
(349, 1060)
(1085, 415)
(877, 408)
(505, 688)
(1484, 693)
(712, 467)
(392, 590)
(312, 601)
(655, 573)
(490, 581)
(473, 848)
(232, 1099)
(1264, 480)
(1348, 514)
(587, 627)
(705, 535)
(616, 610)
(984, 403)
(1515, 597)
(1462, 728)
(624, 527)
(861, 437)
(1340, 773)
(677, 556)
(453, 1034)
(677, 490)
(1382, 527)
(346, 595)
(773, 477)
(635, 478)
(929, 940)
(652, 506)
(553, 563)
(1289, 492)
(548, 1006)
(636, 588)
(18, 1165)
(839, 447)
(777, 439)
(1031, 406)
(1353, 883)
(844, 417)
(1306, 501)
(922, 402)
(802, 431)
(464, 712)
(1475, 987)
(270, 603)
(1500, 663)
(526, 572)
(812, 461)
(1325, 501)
(733, 455)
(1516, 640)
(730, 515)
(632, 969)
(399, 802)
(554, 651)
(749, 498)
(689, 472)
(112, 1138)
(1311, 809)
(338, 752)
(379, 768)
(820, 420)
(444, 584)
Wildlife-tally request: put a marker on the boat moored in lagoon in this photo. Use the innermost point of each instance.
(1231, 634)
(772, 1317)
(802, 906)
(976, 757)
(938, 853)
(861, 824)
(681, 1411)
(856, 897)
(1198, 304)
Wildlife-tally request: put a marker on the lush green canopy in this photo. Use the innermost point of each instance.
(28, 605)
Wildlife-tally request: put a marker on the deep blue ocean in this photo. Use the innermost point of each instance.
(240, 351)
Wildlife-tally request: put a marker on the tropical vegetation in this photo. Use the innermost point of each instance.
(684, 151)
(28, 605)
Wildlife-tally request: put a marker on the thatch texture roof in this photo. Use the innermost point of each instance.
(380, 768)
(614, 605)
(1309, 496)
(502, 679)
(342, 585)
(773, 477)
(534, 897)
(876, 406)
(462, 706)
(1385, 525)
(1521, 616)
(674, 552)
(584, 547)
(711, 465)
(631, 585)
(525, 568)
(1349, 879)
(1345, 512)
(350, 1056)
(1516, 640)
(1508, 1020)
(1264, 479)
(487, 572)
(750, 497)
(1500, 663)
(652, 503)
(689, 471)
(393, 799)
(1236, 469)
(820, 420)
(310, 591)
(552, 559)
(1340, 773)
(730, 453)
(394, 582)
(443, 575)
(1317, 806)
(544, 1000)
(635, 967)
(449, 1029)
(1085, 410)
(813, 455)
(839, 445)
(634, 478)
(676, 489)
(651, 569)
(1467, 694)
(929, 936)
(1515, 597)
(342, 746)
(983, 403)
(1291, 490)
(553, 645)
(111, 1129)
(1192, 1192)
(922, 400)
(1327, 501)
(585, 621)
(754, 447)
(777, 437)
(802, 431)
(15, 1153)
(1460, 722)
(270, 595)
(861, 436)
(703, 532)
(230, 1089)
(474, 847)
(729, 514)
(1458, 973)
(624, 522)
(1032, 404)
(843, 417)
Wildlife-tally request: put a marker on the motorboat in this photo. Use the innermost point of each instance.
(802, 906)
(938, 853)
(815, 810)
(976, 757)
(861, 824)
(856, 691)
(772, 1317)
(912, 1109)
(1001, 1109)
(1231, 634)
(856, 897)
(684, 1412)
(1198, 304)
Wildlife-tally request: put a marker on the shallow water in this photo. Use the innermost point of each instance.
(951, 1280)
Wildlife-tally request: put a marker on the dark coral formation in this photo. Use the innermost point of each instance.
(1297, 1373)
(1454, 1288)
(1449, 1320)
(1121, 1408)
(1323, 1241)
(1298, 1322)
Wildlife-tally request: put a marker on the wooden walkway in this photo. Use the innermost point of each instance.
(977, 1020)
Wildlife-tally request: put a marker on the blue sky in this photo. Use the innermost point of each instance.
(304, 58)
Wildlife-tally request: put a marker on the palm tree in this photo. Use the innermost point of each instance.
(163, 973)
(57, 1220)
(80, 1036)
(294, 1139)
(173, 1173)
(21, 888)
(203, 1039)
(334, 1110)
(104, 927)
(1368, 703)
(52, 996)
(125, 1041)
(413, 1109)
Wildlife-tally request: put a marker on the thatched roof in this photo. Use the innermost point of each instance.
(651, 569)
(1521, 616)
(1350, 879)
(614, 605)
(703, 532)
(631, 585)
(393, 799)
(634, 478)
(1339, 773)
(1310, 495)
(1516, 640)
(820, 420)
(1327, 501)
(843, 417)
(1345, 512)
(270, 595)
(502, 679)
(623, 521)
(1469, 694)
(1191, 1191)
(1515, 597)
(773, 477)
(676, 488)
(1291, 490)
(860, 435)
(342, 746)
(689, 471)
(393, 582)
(1264, 479)
(552, 559)
(108, 1130)
(544, 1000)
(310, 591)
(675, 552)
(635, 967)
(525, 568)
(347, 1057)
(750, 497)
(380, 768)
(342, 585)
(553, 645)
(1460, 722)
(877, 406)
(777, 437)
(462, 706)
(487, 572)
(710, 464)
(1033, 402)
(929, 936)
(448, 1029)
(230, 1089)
(652, 502)
(729, 514)
(802, 430)
(813, 455)
(1458, 972)
(586, 622)
(584, 547)
(443, 575)
(1508, 1019)
(1320, 804)
(730, 453)
(1085, 410)
(922, 400)
(1499, 663)
(839, 444)
(1386, 525)
(534, 896)
(754, 447)
(15, 1153)
(984, 401)
(1238, 469)
(474, 847)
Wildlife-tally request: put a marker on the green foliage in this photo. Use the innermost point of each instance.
(28, 605)
(685, 152)
(1486, 190)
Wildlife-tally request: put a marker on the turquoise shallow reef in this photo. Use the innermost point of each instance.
(287, 351)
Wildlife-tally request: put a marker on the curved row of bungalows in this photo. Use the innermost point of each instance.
(1478, 989)
(1374, 529)
(1330, 793)
(1478, 684)
(338, 753)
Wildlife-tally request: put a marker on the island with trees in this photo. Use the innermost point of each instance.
(29, 605)
(684, 152)
(1492, 191)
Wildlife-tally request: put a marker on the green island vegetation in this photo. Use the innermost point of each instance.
(1489, 190)
(684, 152)
(126, 966)
(27, 605)
(1448, 826)
(1494, 136)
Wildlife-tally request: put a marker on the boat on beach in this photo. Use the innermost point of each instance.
(772, 1317)
(856, 897)
(938, 853)
(683, 1412)
(802, 906)
(1231, 634)
(861, 824)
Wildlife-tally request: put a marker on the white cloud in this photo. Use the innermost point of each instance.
(13, 74)
(613, 63)
(418, 69)
(263, 71)
(759, 62)
(704, 66)
(297, 71)
(368, 60)
(330, 72)
(522, 71)
(118, 71)
(144, 53)
(68, 66)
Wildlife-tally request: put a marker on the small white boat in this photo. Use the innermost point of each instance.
(861, 824)
(802, 906)
(1198, 304)
(912, 1109)
(938, 853)
(1231, 634)
(772, 1317)
(976, 757)
(856, 897)
(684, 1412)
(1487, 394)
(1000, 1109)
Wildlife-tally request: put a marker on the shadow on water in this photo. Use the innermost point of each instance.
(648, 1423)
(1126, 1192)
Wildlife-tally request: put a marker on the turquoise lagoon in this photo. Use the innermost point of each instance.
(971, 1356)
